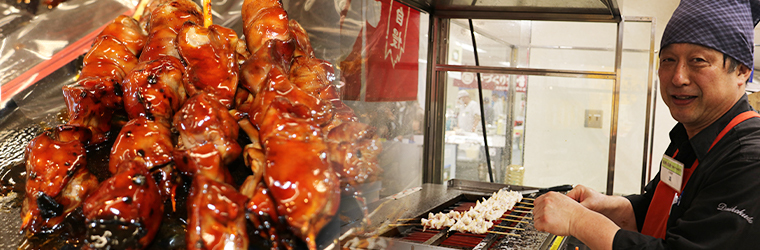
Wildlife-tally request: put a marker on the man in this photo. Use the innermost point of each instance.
(498, 106)
(488, 110)
(468, 118)
(707, 194)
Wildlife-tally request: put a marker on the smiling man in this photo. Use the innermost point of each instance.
(707, 193)
(699, 84)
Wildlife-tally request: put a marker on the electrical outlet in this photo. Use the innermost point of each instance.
(593, 118)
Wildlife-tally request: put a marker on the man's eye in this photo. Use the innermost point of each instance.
(698, 59)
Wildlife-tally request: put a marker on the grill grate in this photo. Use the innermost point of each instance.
(517, 221)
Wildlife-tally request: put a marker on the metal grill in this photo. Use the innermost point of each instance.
(513, 231)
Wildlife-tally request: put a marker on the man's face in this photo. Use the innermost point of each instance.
(696, 85)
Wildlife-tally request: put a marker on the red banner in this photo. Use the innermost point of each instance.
(496, 82)
(391, 63)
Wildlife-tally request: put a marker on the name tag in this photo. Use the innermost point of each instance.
(671, 172)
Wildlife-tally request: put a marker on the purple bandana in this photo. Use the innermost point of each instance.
(724, 25)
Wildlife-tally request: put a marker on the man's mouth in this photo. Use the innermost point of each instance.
(684, 97)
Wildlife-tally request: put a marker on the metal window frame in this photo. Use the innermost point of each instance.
(646, 169)
(436, 92)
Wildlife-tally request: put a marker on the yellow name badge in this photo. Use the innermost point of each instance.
(671, 172)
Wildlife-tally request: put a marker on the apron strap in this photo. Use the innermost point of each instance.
(656, 221)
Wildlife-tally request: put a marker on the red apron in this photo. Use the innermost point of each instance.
(659, 209)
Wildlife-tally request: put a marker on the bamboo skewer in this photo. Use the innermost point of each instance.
(520, 211)
(418, 224)
(525, 203)
(503, 233)
(512, 228)
(521, 207)
(140, 9)
(529, 199)
(517, 216)
(493, 232)
(406, 224)
(407, 219)
(510, 220)
(207, 17)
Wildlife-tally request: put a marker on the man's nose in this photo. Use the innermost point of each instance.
(680, 75)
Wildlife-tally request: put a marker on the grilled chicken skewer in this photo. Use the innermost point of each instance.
(58, 179)
(294, 105)
(56, 183)
(288, 120)
(126, 209)
(208, 136)
(287, 95)
(353, 146)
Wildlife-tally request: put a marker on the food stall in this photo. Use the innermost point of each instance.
(398, 67)
(571, 77)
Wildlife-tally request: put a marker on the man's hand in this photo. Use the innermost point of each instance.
(588, 197)
(616, 208)
(562, 215)
(554, 213)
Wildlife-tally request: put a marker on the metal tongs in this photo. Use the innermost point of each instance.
(540, 191)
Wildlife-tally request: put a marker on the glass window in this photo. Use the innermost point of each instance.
(551, 130)
(567, 131)
(534, 44)
(464, 150)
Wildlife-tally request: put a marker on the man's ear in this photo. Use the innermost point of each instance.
(743, 73)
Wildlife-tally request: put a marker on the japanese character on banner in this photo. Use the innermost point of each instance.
(500, 82)
(396, 33)
(522, 83)
(487, 78)
(399, 17)
(383, 64)
(396, 41)
(497, 82)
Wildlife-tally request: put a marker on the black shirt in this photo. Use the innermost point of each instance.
(721, 201)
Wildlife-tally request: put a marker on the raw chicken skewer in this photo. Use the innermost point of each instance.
(477, 219)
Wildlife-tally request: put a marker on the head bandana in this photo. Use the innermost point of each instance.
(724, 25)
